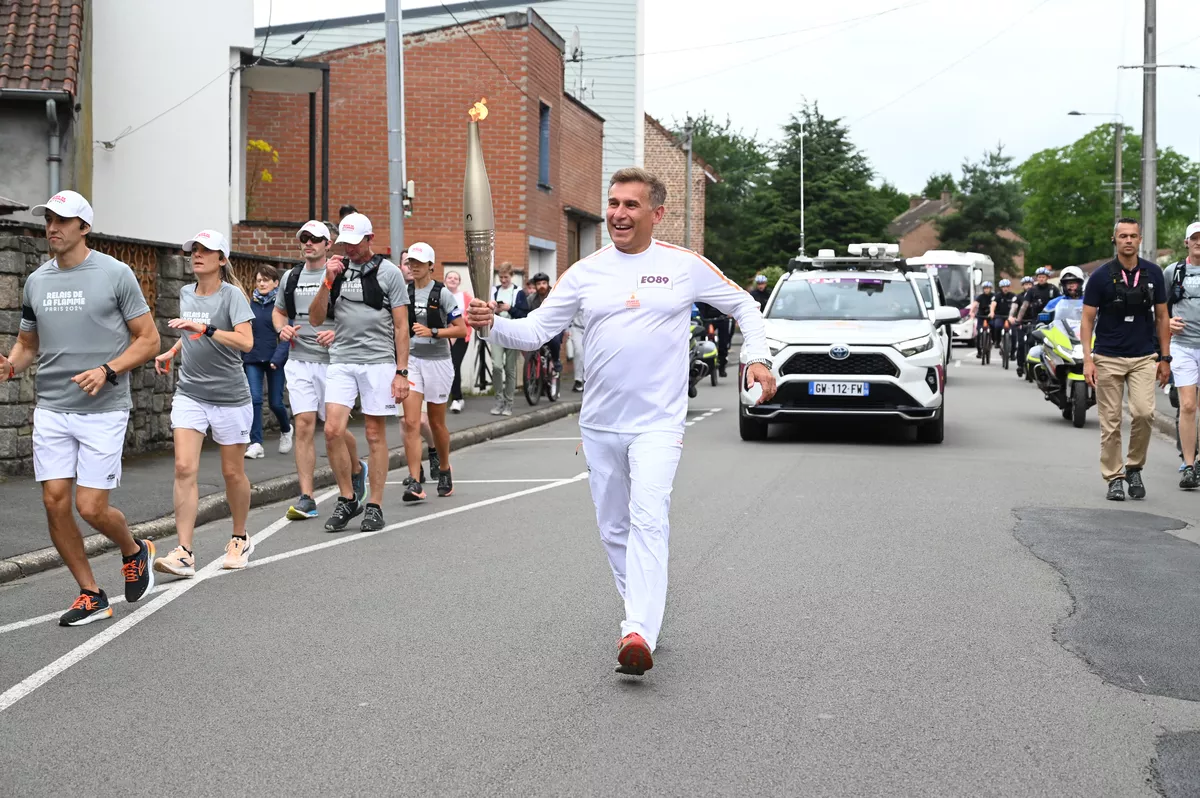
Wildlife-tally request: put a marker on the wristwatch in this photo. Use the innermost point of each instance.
(765, 361)
(109, 374)
(402, 372)
(1163, 359)
(210, 330)
(434, 331)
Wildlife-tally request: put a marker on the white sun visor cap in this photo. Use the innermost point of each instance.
(354, 228)
(209, 239)
(1192, 229)
(67, 204)
(422, 252)
(315, 229)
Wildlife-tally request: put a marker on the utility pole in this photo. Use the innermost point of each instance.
(802, 186)
(1149, 143)
(1118, 158)
(394, 40)
(687, 214)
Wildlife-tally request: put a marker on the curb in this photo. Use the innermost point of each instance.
(214, 507)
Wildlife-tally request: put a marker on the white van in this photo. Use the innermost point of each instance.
(961, 275)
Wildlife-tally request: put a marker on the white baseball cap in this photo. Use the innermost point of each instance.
(316, 229)
(67, 204)
(354, 228)
(1193, 228)
(209, 239)
(422, 252)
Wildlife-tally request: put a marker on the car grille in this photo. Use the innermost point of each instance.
(883, 396)
(821, 363)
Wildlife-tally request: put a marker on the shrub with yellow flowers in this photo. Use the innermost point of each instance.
(260, 156)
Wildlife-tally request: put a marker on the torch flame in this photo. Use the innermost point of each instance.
(479, 110)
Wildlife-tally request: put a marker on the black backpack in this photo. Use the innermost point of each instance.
(1175, 293)
(433, 307)
(372, 292)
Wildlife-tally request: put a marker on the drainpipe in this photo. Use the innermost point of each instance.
(55, 158)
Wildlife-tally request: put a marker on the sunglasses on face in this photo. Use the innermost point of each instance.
(307, 237)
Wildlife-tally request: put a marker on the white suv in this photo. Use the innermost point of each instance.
(852, 336)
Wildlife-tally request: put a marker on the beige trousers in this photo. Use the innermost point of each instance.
(1112, 375)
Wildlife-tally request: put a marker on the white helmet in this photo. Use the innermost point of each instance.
(1071, 273)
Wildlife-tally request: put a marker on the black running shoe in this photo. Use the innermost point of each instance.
(345, 510)
(1137, 488)
(139, 576)
(373, 520)
(435, 466)
(445, 484)
(414, 492)
(1187, 480)
(87, 608)
(1116, 490)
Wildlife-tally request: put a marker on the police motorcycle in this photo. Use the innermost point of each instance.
(703, 354)
(1056, 360)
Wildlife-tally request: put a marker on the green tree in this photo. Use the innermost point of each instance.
(937, 183)
(894, 199)
(841, 205)
(1069, 210)
(743, 165)
(989, 201)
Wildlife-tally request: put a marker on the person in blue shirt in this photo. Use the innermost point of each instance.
(1125, 305)
(266, 361)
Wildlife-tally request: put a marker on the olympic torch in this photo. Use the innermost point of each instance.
(479, 224)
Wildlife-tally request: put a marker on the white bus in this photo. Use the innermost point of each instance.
(960, 275)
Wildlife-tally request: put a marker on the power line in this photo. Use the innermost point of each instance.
(108, 145)
(486, 53)
(757, 38)
(952, 64)
(1177, 46)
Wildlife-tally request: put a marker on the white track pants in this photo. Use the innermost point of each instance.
(630, 476)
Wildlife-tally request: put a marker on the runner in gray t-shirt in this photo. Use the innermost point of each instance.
(211, 395)
(307, 366)
(1185, 351)
(86, 324)
(368, 361)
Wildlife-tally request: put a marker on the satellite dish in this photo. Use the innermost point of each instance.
(573, 46)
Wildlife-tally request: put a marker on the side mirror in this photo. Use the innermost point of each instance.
(978, 276)
(946, 314)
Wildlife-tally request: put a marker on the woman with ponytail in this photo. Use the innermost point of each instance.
(211, 393)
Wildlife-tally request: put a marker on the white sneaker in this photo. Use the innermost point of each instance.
(285, 441)
(255, 451)
(456, 406)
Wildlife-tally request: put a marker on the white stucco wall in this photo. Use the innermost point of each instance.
(172, 177)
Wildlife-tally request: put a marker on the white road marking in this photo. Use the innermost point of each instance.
(471, 482)
(177, 589)
(26, 686)
(53, 616)
(411, 522)
(497, 440)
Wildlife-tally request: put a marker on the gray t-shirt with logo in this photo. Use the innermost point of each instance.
(433, 348)
(363, 334)
(306, 349)
(208, 371)
(1187, 308)
(80, 317)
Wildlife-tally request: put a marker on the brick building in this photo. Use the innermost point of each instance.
(666, 157)
(916, 232)
(543, 149)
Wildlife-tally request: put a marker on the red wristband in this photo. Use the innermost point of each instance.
(328, 284)
(12, 371)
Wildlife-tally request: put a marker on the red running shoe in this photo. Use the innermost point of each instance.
(634, 655)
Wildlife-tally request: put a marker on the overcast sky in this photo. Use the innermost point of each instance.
(921, 87)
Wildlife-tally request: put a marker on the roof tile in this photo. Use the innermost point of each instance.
(41, 46)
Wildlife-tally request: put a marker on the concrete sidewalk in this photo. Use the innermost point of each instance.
(146, 492)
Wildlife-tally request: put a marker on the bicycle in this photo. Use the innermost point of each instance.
(540, 377)
(1005, 347)
(983, 342)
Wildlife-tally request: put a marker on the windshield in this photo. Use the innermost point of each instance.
(956, 283)
(1069, 311)
(850, 298)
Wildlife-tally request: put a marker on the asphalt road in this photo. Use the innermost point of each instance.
(850, 613)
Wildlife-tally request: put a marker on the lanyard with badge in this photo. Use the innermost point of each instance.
(1137, 275)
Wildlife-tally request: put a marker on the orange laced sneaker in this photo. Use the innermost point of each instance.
(634, 655)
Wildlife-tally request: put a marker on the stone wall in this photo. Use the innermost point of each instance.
(162, 270)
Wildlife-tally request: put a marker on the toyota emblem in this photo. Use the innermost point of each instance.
(839, 351)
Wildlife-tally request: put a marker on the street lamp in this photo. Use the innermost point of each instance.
(1118, 187)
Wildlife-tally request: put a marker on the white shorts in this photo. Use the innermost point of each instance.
(306, 386)
(431, 378)
(1185, 365)
(230, 425)
(85, 447)
(370, 383)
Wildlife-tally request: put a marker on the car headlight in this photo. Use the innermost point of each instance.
(775, 346)
(915, 346)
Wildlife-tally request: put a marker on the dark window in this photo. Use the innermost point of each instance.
(544, 146)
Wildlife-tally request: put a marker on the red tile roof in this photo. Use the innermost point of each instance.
(42, 40)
